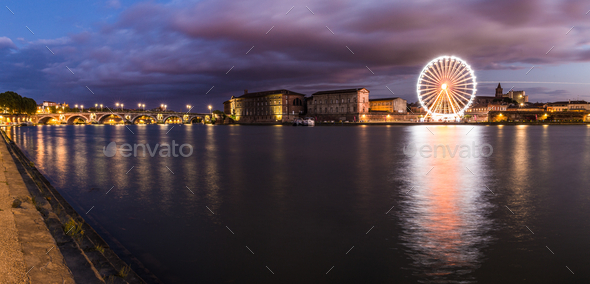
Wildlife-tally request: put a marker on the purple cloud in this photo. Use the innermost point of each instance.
(176, 52)
(6, 43)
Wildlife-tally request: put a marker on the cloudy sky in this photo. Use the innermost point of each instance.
(174, 52)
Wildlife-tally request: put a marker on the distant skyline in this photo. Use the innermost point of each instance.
(174, 52)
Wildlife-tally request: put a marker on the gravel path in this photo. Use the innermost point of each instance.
(28, 252)
(12, 265)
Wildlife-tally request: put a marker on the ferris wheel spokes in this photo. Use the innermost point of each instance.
(446, 87)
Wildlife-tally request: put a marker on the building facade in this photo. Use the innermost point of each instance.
(557, 106)
(265, 107)
(392, 105)
(416, 108)
(578, 106)
(519, 96)
(339, 105)
(48, 106)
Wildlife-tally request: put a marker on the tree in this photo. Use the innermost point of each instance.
(12, 102)
(506, 100)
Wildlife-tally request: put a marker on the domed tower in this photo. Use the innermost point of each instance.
(499, 91)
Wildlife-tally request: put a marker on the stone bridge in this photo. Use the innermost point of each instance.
(120, 117)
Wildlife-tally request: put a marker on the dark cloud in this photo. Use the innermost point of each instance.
(177, 52)
(549, 92)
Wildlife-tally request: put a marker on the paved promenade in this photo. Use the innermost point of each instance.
(28, 252)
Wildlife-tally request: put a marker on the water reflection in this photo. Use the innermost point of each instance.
(445, 215)
(300, 197)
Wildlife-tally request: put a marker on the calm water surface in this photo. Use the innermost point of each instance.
(332, 204)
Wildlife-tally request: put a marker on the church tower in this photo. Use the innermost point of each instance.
(499, 91)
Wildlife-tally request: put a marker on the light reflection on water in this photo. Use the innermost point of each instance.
(302, 197)
(445, 213)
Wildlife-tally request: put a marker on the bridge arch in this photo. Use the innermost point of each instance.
(173, 119)
(108, 116)
(136, 119)
(46, 119)
(73, 118)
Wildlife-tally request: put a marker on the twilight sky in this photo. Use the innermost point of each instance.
(173, 52)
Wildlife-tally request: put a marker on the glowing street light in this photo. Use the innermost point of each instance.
(211, 112)
(188, 107)
(100, 107)
(122, 107)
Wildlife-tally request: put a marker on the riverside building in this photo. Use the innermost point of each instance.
(265, 107)
(519, 96)
(390, 105)
(339, 105)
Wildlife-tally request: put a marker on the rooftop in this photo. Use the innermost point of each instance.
(266, 93)
(338, 91)
(383, 99)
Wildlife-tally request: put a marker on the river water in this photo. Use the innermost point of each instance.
(331, 204)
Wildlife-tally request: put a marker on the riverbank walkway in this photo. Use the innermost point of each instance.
(28, 252)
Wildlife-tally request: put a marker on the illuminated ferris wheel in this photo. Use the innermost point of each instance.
(446, 87)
